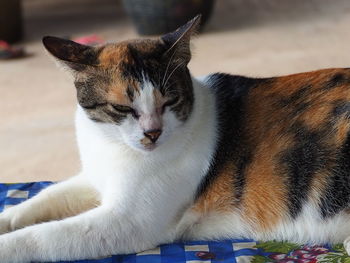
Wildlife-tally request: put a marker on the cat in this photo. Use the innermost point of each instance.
(166, 156)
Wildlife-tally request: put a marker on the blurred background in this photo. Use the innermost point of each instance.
(250, 37)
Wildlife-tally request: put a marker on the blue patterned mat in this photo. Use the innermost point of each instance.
(228, 251)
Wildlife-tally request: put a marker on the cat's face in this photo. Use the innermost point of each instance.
(140, 88)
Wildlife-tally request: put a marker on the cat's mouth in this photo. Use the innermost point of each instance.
(150, 147)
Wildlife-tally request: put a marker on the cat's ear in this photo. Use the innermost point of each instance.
(178, 41)
(69, 53)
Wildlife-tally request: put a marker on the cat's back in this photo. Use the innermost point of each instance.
(309, 111)
(281, 91)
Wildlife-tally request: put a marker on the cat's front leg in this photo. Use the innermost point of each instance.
(346, 244)
(58, 201)
(96, 233)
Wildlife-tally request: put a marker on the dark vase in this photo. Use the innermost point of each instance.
(10, 20)
(154, 17)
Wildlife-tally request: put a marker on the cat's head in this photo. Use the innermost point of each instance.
(141, 88)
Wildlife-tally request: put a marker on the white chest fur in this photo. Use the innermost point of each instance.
(161, 182)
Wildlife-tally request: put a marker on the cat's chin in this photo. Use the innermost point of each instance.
(146, 149)
(150, 148)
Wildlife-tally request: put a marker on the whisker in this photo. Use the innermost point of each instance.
(158, 79)
(167, 68)
(171, 85)
(181, 64)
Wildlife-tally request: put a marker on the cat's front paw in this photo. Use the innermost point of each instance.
(5, 223)
(12, 219)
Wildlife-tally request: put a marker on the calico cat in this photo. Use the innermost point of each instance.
(167, 157)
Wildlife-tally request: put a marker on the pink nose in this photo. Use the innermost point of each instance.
(153, 135)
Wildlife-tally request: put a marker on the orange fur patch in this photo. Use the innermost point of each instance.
(117, 91)
(114, 54)
(219, 196)
(342, 131)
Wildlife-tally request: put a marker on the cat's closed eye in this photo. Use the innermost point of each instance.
(169, 103)
(126, 110)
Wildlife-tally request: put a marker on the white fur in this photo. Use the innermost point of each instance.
(308, 228)
(144, 101)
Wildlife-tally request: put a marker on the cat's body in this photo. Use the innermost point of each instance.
(289, 179)
(217, 157)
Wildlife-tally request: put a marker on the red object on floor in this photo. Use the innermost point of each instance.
(9, 52)
(91, 40)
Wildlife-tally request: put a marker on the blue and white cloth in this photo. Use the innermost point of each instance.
(228, 251)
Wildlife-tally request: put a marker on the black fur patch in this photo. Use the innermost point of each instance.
(295, 104)
(75, 55)
(342, 108)
(297, 96)
(335, 81)
(337, 194)
(130, 93)
(230, 92)
(183, 90)
(145, 64)
(308, 156)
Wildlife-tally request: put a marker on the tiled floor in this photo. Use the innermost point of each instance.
(252, 37)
